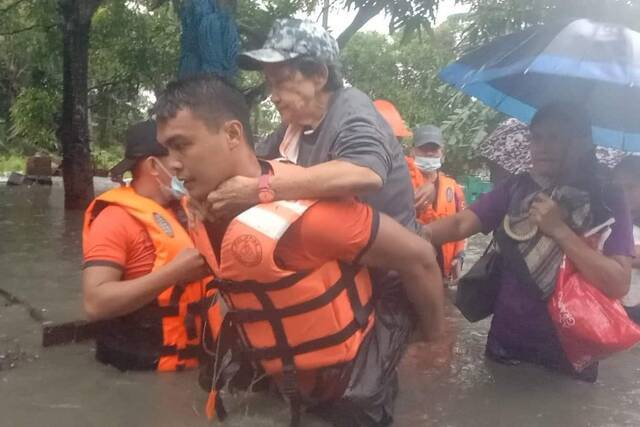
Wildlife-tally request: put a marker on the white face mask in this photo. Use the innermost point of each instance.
(176, 190)
(428, 164)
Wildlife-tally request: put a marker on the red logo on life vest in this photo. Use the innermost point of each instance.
(247, 250)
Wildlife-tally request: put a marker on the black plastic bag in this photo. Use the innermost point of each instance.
(372, 376)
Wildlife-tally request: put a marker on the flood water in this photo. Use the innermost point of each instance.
(40, 258)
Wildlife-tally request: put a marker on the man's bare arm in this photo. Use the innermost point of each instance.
(106, 295)
(396, 248)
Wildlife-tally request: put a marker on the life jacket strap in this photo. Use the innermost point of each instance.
(252, 286)
(360, 312)
(191, 351)
(345, 282)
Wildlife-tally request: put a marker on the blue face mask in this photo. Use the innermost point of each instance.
(428, 164)
(176, 189)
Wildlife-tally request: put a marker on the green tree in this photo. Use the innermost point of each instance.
(126, 72)
(490, 18)
(29, 58)
(406, 73)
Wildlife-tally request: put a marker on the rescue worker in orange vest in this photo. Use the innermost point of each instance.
(448, 198)
(294, 273)
(142, 276)
(423, 193)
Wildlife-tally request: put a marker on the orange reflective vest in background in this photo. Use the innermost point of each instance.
(289, 322)
(448, 202)
(177, 310)
(417, 179)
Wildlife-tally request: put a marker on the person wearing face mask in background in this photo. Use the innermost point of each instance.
(447, 199)
(143, 279)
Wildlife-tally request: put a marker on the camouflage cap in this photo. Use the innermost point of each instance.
(288, 39)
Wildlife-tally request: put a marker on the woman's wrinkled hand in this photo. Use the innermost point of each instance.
(231, 197)
(548, 216)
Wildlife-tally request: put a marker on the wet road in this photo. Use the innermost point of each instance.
(40, 256)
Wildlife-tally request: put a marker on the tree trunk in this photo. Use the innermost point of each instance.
(77, 167)
(365, 13)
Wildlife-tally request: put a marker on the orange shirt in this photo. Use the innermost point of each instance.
(330, 230)
(118, 240)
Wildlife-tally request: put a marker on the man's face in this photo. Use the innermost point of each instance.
(292, 93)
(198, 154)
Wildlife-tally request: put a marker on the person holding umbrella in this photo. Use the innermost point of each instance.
(537, 217)
(506, 151)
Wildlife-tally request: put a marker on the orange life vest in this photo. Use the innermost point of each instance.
(177, 310)
(443, 206)
(289, 321)
(417, 179)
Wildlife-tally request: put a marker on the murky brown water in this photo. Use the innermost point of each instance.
(40, 256)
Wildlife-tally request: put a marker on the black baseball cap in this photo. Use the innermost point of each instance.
(141, 143)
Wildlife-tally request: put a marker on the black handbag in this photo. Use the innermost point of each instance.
(478, 288)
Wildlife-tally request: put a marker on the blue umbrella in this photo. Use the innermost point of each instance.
(593, 64)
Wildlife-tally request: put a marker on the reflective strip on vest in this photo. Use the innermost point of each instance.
(267, 223)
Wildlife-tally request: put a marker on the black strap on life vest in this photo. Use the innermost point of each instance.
(194, 310)
(250, 286)
(282, 349)
(191, 351)
(155, 313)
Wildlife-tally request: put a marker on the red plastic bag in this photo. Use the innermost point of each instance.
(590, 325)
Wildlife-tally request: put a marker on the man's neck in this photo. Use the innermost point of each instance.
(430, 176)
(249, 165)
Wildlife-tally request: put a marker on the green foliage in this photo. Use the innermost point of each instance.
(490, 18)
(464, 128)
(33, 120)
(409, 15)
(406, 74)
(135, 49)
(107, 157)
(29, 58)
(12, 163)
(134, 54)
